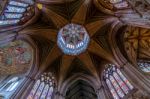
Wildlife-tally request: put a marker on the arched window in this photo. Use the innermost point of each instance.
(117, 83)
(119, 3)
(10, 85)
(144, 65)
(43, 87)
(15, 11)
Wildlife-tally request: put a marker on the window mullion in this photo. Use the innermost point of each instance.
(113, 88)
(123, 82)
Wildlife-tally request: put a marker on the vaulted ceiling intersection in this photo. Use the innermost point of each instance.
(54, 16)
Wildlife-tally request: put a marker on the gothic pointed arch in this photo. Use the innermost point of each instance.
(44, 87)
(77, 86)
(135, 46)
(18, 59)
(117, 84)
(129, 69)
(81, 89)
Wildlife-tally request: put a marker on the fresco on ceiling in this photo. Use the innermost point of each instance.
(15, 54)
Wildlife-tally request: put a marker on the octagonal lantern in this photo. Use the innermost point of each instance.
(73, 39)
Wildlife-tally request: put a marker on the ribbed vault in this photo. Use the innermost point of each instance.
(135, 43)
(81, 90)
(52, 16)
(101, 20)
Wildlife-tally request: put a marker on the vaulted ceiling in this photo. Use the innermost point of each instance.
(52, 18)
(98, 19)
(81, 90)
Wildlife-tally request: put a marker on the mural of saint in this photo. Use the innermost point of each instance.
(15, 54)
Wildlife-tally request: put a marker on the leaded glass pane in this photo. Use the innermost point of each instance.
(112, 90)
(10, 86)
(50, 92)
(45, 92)
(115, 84)
(43, 88)
(18, 4)
(8, 22)
(15, 9)
(13, 86)
(121, 83)
(124, 79)
(11, 15)
(121, 5)
(115, 1)
(39, 91)
(32, 93)
(144, 65)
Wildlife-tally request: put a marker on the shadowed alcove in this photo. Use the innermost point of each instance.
(81, 90)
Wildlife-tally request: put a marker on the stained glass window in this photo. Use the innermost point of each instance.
(10, 85)
(43, 87)
(17, 53)
(14, 12)
(73, 39)
(117, 83)
(119, 3)
(144, 65)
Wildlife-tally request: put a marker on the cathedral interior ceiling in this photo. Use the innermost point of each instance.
(98, 19)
